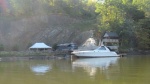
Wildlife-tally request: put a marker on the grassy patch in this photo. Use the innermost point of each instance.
(24, 53)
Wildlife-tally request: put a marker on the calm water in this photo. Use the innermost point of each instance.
(126, 70)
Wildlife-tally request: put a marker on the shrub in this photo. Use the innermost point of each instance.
(1, 47)
(15, 48)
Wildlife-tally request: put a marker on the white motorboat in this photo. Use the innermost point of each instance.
(101, 51)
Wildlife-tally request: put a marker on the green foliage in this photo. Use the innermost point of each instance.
(110, 14)
(143, 33)
(132, 12)
(74, 8)
(127, 18)
(54, 47)
(15, 48)
(1, 47)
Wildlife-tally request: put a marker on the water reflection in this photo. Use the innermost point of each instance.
(40, 69)
(126, 70)
(91, 65)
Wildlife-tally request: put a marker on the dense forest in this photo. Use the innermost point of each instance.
(128, 18)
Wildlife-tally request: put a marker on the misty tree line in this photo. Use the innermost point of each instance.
(74, 8)
(129, 18)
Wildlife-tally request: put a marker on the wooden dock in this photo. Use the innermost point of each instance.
(122, 54)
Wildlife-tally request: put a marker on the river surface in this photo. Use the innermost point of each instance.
(113, 70)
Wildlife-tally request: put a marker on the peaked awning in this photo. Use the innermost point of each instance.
(40, 46)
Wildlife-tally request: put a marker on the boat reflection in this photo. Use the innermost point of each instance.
(91, 65)
(40, 69)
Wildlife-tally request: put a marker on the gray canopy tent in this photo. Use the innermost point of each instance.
(40, 47)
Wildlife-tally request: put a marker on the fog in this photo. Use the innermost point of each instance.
(24, 22)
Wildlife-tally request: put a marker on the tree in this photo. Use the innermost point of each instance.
(15, 47)
(1, 47)
(120, 16)
(143, 33)
(132, 12)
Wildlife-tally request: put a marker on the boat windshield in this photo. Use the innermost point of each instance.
(101, 48)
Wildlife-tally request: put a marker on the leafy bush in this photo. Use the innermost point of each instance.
(1, 47)
(15, 48)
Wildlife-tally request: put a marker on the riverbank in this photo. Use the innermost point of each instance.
(55, 53)
(29, 55)
(33, 53)
(23, 53)
(139, 52)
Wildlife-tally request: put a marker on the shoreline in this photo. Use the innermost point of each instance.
(28, 55)
(56, 53)
(139, 52)
(24, 53)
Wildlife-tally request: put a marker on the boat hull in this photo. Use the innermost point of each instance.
(95, 54)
